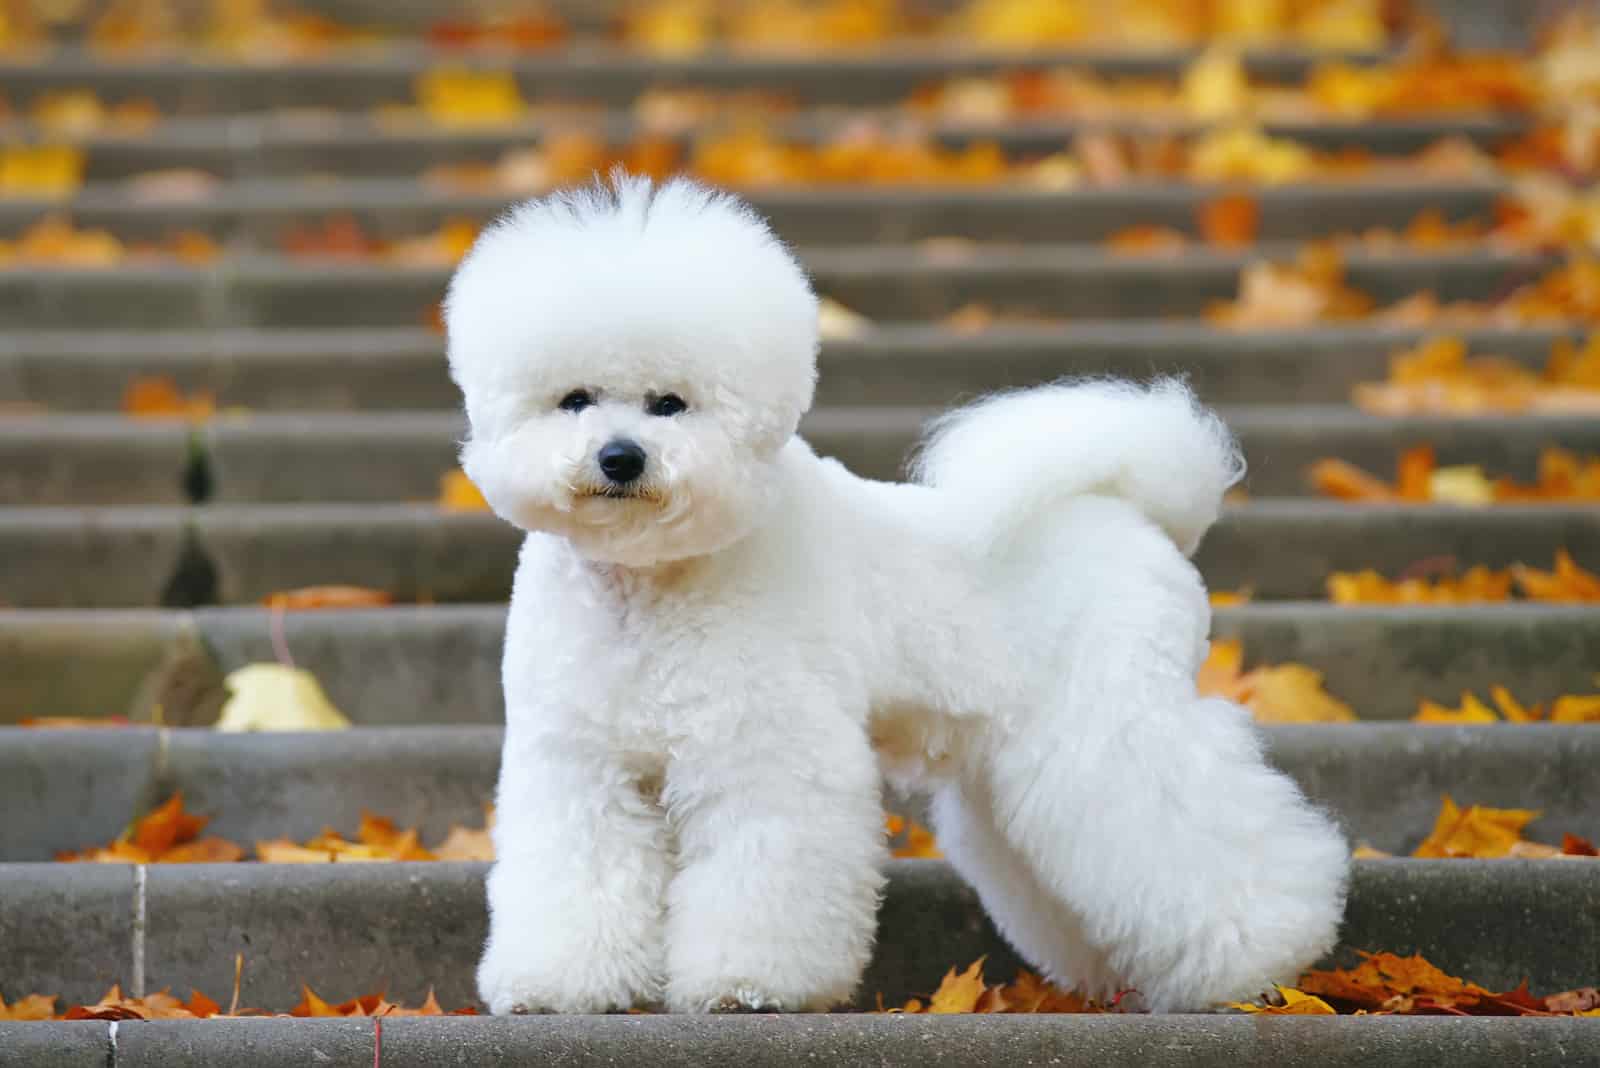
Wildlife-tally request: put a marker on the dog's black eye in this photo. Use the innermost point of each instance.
(666, 404)
(576, 401)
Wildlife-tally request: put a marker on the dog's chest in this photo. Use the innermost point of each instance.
(635, 662)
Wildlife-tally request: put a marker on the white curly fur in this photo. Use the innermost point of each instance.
(706, 678)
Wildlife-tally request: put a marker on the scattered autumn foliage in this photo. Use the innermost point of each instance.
(1385, 984)
(1280, 693)
(56, 242)
(1479, 832)
(1437, 377)
(162, 1005)
(1566, 583)
(1382, 984)
(967, 992)
(1569, 708)
(170, 835)
(1562, 476)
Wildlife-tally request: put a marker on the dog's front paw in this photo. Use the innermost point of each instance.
(515, 984)
(743, 1000)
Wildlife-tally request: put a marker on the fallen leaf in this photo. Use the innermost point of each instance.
(31, 1007)
(1478, 831)
(166, 835)
(158, 397)
(1280, 693)
(309, 598)
(276, 697)
(457, 493)
(1230, 221)
(1295, 1003)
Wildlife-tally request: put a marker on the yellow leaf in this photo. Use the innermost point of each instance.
(1472, 710)
(455, 96)
(1464, 485)
(1366, 852)
(1295, 1003)
(1479, 831)
(959, 993)
(1576, 709)
(275, 697)
(1293, 693)
(457, 493)
(1214, 86)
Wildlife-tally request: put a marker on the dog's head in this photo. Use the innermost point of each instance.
(633, 359)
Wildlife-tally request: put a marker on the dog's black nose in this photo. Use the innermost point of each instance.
(622, 461)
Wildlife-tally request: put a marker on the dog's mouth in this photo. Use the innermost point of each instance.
(617, 493)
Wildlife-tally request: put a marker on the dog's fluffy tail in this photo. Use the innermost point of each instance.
(1019, 455)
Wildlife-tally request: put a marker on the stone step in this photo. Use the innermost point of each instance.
(358, 145)
(407, 666)
(1384, 781)
(805, 1041)
(146, 556)
(900, 365)
(882, 283)
(100, 459)
(191, 85)
(74, 930)
(261, 213)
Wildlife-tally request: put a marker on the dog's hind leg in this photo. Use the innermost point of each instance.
(1047, 933)
(1153, 815)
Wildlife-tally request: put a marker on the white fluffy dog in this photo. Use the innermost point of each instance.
(715, 636)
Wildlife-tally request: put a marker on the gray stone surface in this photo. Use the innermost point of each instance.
(1286, 549)
(86, 460)
(400, 455)
(398, 666)
(415, 665)
(294, 785)
(196, 86)
(907, 366)
(400, 929)
(68, 663)
(68, 790)
(66, 929)
(404, 928)
(1383, 781)
(783, 1041)
(1382, 659)
(262, 211)
(72, 557)
(81, 1044)
(254, 1043)
(416, 553)
(884, 283)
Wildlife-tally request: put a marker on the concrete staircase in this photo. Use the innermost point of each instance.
(126, 546)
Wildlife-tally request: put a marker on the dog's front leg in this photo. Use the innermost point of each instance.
(576, 895)
(781, 852)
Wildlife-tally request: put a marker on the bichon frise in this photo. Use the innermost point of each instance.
(715, 637)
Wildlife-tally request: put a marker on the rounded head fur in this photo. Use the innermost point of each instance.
(633, 358)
